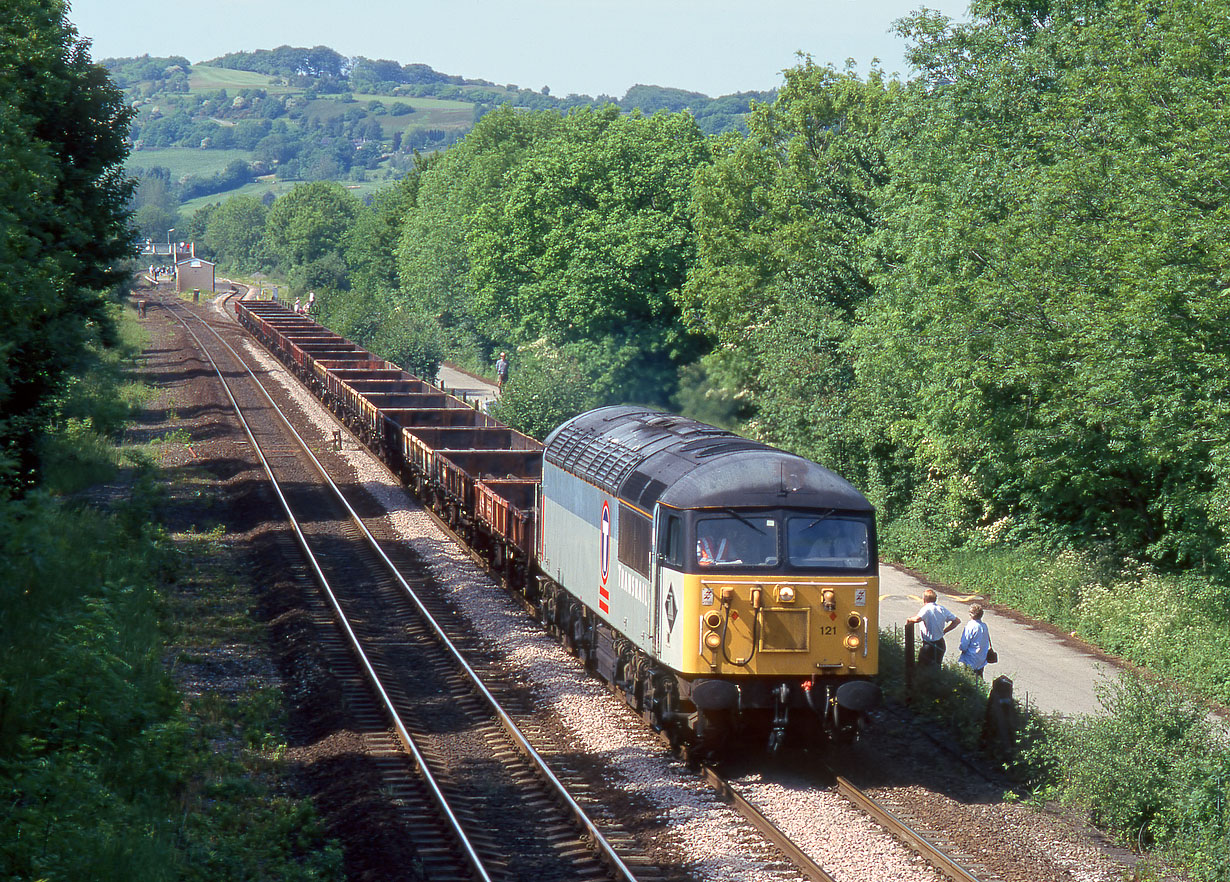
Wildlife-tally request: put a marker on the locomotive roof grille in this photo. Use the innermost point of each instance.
(642, 490)
(606, 464)
(710, 447)
(644, 456)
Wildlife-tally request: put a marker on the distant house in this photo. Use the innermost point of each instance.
(194, 273)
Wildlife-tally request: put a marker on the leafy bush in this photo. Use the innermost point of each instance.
(1202, 817)
(77, 449)
(87, 704)
(543, 390)
(950, 696)
(1150, 769)
(386, 328)
(412, 341)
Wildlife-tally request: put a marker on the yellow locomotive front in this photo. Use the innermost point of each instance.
(777, 615)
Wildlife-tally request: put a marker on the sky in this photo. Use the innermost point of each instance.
(589, 47)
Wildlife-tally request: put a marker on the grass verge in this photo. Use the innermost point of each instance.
(110, 767)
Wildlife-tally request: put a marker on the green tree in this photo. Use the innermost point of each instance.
(591, 242)
(545, 388)
(305, 232)
(432, 260)
(235, 232)
(371, 242)
(388, 328)
(1049, 334)
(155, 204)
(62, 133)
(786, 219)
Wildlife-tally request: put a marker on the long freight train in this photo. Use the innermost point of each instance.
(722, 586)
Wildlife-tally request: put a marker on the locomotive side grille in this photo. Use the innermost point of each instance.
(785, 630)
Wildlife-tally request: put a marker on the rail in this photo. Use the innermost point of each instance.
(748, 809)
(764, 825)
(905, 833)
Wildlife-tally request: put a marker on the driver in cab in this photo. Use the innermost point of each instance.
(712, 550)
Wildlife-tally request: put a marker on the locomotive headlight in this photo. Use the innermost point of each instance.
(854, 621)
(785, 594)
(853, 642)
(713, 619)
(713, 640)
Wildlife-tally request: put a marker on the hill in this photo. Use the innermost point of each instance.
(256, 121)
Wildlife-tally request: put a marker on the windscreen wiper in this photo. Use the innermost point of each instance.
(738, 517)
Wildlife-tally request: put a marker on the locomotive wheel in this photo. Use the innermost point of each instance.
(527, 584)
(714, 728)
(662, 704)
(577, 632)
(589, 650)
(567, 621)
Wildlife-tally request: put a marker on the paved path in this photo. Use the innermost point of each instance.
(1052, 674)
(467, 386)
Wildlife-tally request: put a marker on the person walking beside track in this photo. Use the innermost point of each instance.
(501, 371)
(936, 622)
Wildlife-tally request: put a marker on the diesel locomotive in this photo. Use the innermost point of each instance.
(725, 588)
(718, 582)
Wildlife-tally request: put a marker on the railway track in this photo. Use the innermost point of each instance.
(900, 828)
(914, 838)
(476, 796)
(416, 799)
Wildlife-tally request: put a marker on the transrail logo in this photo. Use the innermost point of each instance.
(604, 556)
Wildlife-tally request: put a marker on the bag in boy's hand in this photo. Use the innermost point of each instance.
(992, 656)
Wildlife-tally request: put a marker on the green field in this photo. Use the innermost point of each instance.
(278, 188)
(204, 78)
(183, 161)
(419, 104)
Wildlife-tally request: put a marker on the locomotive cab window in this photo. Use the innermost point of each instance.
(736, 540)
(828, 541)
(670, 541)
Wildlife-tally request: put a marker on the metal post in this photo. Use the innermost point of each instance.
(909, 660)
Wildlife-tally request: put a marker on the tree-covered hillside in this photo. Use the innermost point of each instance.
(252, 122)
